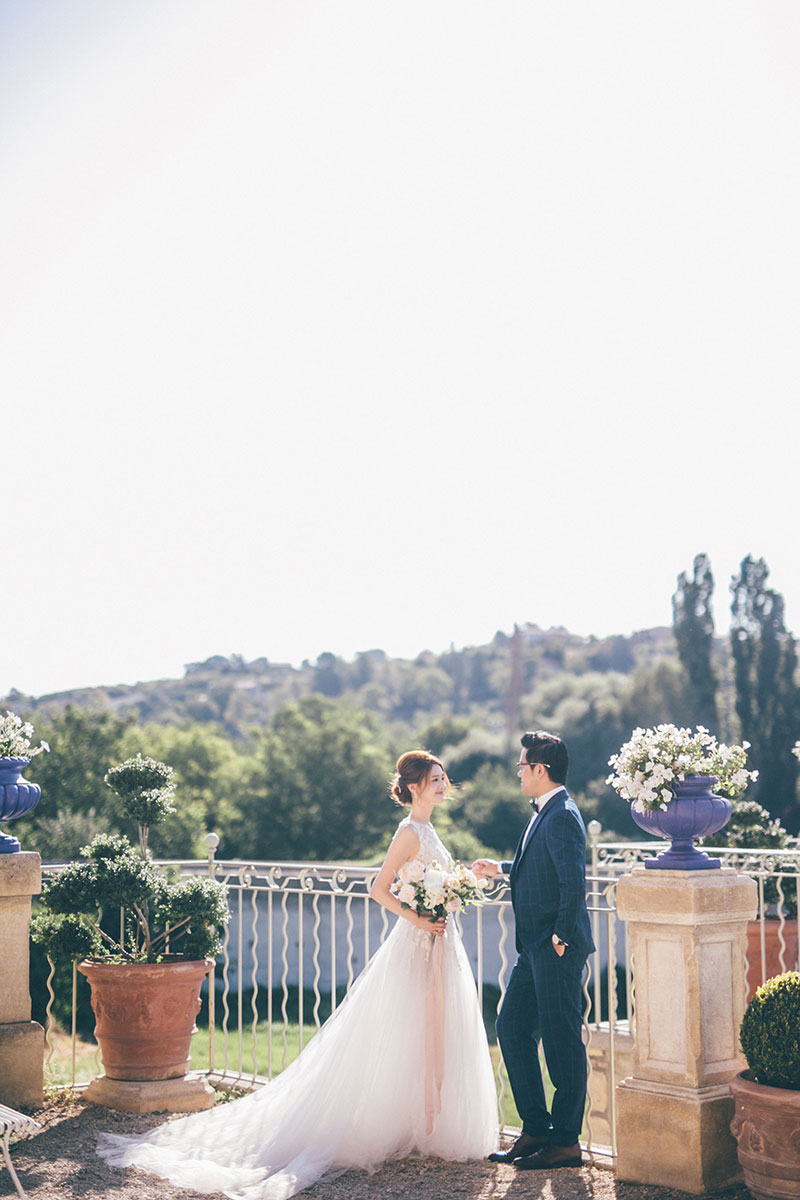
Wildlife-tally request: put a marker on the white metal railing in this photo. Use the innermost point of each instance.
(772, 935)
(300, 933)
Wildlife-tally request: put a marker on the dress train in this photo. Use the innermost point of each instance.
(401, 1066)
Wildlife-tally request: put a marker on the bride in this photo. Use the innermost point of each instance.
(401, 1066)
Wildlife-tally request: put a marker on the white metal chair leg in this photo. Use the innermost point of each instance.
(10, 1165)
(12, 1121)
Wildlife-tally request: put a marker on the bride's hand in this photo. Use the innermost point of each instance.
(437, 928)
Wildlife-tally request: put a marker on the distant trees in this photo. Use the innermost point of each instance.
(293, 762)
(763, 663)
(484, 684)
(75, 802)
(767, 701)
(316, 785)
(693, 624)
(312, 785)
(492, 807)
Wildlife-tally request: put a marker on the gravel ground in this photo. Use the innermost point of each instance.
(59, 1163)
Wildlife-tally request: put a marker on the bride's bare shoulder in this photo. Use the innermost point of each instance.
(406, 838)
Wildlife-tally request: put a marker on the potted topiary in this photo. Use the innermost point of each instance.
(146, 941)
(766, 1121)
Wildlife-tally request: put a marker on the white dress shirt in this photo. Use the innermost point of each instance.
(539, 805)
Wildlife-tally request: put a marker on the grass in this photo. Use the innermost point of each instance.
(240, 1059)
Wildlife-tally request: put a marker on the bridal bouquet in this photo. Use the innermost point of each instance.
(436, 891)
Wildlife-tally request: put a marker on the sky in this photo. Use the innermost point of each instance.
(327, 326)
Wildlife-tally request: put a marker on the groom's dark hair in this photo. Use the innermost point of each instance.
(543, 747)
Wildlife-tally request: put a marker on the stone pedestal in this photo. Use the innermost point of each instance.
(21, 1039)
(688, 936)
(189, 1093)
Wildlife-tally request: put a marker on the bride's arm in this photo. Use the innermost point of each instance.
(404, 847)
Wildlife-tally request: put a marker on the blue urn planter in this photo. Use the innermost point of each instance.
(17, 798)
(694, 812)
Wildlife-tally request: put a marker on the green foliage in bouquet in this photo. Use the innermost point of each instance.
(162, 918)
(770, 1032)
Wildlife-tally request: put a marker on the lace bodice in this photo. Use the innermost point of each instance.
(431, 848)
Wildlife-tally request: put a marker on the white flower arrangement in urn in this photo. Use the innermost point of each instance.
(15, 738)
(649, 765)
(18, 797)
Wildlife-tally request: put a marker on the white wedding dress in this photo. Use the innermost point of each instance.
(401, 1066)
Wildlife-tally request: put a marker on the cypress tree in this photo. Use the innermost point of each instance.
(767, 700)
(693, 626)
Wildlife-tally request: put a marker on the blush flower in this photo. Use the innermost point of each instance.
(434, 892)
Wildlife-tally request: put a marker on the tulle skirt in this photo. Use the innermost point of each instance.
(401, 1066)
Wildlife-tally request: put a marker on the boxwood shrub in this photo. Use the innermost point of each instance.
(770, 1032)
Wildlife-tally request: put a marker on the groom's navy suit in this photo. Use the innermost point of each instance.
(544, 995)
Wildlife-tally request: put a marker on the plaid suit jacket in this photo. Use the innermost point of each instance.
(548, 881)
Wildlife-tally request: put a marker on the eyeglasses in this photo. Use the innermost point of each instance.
(521, 765)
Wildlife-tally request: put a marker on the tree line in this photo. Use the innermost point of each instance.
(291, 764)
(748, 688)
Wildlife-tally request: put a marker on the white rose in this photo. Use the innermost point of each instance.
(406, 895)
(434, 879)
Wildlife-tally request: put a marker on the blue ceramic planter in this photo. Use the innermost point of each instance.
(693, 813)
(17, 798)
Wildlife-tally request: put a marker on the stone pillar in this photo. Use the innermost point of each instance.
(21, 1039)
(688, 937)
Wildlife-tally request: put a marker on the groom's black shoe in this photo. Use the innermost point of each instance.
(550, 1157)
(526, 1143)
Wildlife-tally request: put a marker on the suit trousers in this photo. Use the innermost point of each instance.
(544, 1002)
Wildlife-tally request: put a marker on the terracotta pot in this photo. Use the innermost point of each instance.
(772, 947)
(145, 1015)
(766, 1125)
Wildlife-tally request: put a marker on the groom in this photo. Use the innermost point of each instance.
(554, 938)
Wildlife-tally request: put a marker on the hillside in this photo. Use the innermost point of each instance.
(491, 679)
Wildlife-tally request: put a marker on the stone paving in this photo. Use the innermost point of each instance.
(59, 1163)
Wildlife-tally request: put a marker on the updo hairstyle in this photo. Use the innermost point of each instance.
(413, 767)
